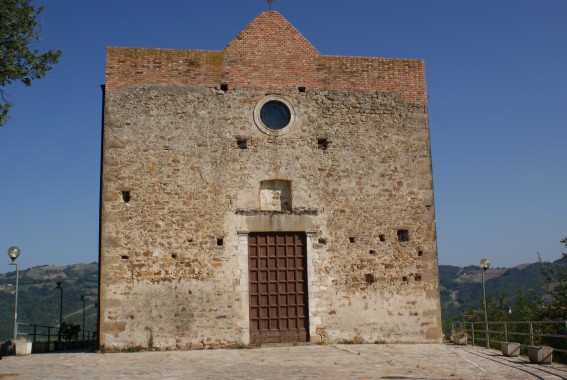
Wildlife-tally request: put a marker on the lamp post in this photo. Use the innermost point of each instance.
(13, 254)
(59, 281)
(83, 327)
(485, 264)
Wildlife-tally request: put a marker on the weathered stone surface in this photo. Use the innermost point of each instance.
(174, 255)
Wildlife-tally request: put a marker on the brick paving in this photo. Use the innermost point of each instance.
(386, 361)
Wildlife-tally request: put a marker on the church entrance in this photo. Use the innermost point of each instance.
(278, 287)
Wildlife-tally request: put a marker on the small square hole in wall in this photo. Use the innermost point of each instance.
(403, 235)
(124, 257)
(220, 241)
(190, 240)
(405, 279)
(417, 277)
(301, 89)
(224, 87)
(420, 253)
(352, 239)
(125, 196)
(369, 278)
(322, 241)
(174, 255)
(323, 143)
(241, 144)
(372, 252)
(382, 237)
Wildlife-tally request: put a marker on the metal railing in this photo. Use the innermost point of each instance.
(527, 333)
(46, 338)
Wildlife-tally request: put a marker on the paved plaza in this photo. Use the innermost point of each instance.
(385, 361)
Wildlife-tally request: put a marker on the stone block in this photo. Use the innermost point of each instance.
(540, 354)
(22, 347)
(510, 349)
(197, 346)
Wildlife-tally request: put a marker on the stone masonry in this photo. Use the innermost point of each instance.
(189, 171)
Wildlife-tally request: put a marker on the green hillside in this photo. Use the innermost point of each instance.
(38, 297)
(461, 288)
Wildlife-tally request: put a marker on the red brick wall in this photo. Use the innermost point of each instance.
(127, 67)
(268, 53)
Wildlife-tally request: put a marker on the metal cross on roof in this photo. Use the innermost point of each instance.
(269, 3)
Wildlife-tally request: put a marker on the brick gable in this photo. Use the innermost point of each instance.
(269, 53)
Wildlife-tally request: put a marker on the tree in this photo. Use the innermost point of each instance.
(527, 306)
(19, 59)
(555, 282)
(70, 331)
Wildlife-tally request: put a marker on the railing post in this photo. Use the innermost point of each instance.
(531, 334)
(472, 333)
(505, 331)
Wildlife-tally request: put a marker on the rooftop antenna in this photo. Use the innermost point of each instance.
(269, 3)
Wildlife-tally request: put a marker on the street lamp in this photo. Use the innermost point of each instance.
(13, 253)
(83, 299)
(59, 281)
(485, 264)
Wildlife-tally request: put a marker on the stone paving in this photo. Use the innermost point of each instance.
(386, 361)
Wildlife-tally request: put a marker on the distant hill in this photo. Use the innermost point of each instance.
(461, 290)
(38, 298)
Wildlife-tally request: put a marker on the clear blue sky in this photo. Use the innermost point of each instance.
(497, 84)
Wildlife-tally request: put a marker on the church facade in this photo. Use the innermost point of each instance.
(265, 193)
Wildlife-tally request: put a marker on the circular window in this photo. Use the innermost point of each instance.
(275, 115)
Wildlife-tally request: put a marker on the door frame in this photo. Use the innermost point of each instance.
(313, 288)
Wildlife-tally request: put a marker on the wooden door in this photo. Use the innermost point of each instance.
(278, 287)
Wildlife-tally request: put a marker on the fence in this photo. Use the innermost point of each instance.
(527, 333)
(47, 338)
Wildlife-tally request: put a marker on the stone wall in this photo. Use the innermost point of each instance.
(187, 173)
(175, 151)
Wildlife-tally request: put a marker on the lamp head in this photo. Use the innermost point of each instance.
(13, 253)
(58, 281)
(485, 264)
